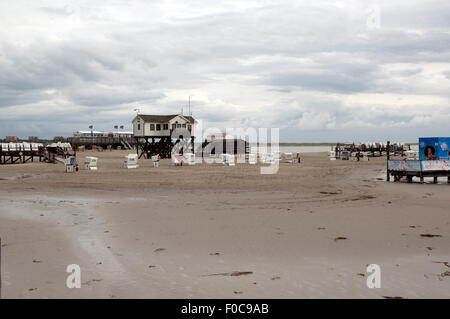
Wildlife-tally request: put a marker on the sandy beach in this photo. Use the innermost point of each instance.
(212, 231)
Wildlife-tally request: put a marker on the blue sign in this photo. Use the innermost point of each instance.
(404, 166)
(418, 166)
(442, 165)
(434, 148)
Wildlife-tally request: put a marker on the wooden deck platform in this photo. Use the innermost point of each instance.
(16, 157)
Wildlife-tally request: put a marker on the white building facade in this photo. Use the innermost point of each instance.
(161, 125)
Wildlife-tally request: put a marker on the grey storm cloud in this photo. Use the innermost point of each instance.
(328, 77)
(321, 68)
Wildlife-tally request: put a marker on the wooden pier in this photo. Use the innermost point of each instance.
(20, 154)
(372, 150)
(114, 142)
(54, 154)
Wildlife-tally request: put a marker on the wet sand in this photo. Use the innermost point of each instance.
(210, 231)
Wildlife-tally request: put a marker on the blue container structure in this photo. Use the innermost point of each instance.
(434, 161)
(434, 148)
(345, 155)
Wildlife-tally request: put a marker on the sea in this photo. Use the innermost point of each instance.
(298, 149)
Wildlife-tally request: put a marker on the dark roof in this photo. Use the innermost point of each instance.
(163, 118)
(189, 118)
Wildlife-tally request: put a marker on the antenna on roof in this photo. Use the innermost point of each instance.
(189, 106)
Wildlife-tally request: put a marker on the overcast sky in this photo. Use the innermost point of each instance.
(318, 70)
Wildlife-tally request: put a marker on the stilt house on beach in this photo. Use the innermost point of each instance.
(157, 134)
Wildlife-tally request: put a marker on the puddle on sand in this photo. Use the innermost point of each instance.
(73, 217)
